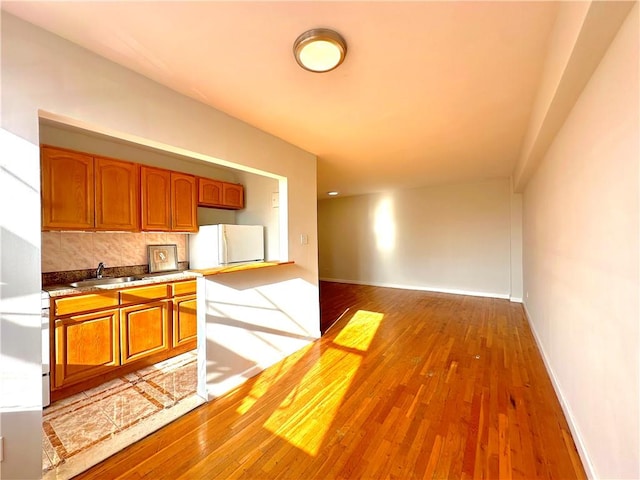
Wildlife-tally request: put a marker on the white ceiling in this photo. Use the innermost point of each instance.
(430, 92)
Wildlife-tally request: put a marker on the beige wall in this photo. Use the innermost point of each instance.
(44, 72)
(453, 238)
(258, 210)
(581, 264)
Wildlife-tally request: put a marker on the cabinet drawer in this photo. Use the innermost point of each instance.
(143, 294)
(183, 288)
(85, 303)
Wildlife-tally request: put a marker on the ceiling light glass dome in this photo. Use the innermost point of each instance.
(319, 50)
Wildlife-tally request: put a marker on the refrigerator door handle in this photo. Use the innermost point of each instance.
(225, 250)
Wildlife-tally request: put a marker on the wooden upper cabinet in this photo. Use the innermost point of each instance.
(184, 203)
(156, 199)
(67, 181)
(169, 201)
(215, 193)
(209, 192)
(86, 192)
(232, 195)
(82, 192)
(117, 195)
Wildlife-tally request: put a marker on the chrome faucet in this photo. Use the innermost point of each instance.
(100, 270)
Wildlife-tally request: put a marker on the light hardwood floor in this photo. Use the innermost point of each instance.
(404, 385)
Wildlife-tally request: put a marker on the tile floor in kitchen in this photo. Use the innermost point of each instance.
(84, 429)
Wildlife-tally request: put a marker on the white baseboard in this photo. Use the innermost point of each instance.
(422, 289)
(568, 413)
(515, 299)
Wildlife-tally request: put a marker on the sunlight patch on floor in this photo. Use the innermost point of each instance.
(269, 377)
(306, 414)
(360, 330)
(304, 417)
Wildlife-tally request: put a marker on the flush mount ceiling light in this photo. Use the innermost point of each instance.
(319, 50)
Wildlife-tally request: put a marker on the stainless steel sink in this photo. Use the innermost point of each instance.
(93, 282)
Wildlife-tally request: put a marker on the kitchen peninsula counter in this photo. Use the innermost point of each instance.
(251, 320)
(236, 268)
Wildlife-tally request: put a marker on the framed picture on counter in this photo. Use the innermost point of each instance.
(162, 258)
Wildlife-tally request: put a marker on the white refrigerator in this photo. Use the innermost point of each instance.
(223, 244)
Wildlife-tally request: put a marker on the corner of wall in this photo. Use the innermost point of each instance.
(515, 251)
(580, 38)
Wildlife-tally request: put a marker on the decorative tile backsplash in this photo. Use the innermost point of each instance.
(63, 251)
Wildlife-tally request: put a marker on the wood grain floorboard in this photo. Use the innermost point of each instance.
(403, 385)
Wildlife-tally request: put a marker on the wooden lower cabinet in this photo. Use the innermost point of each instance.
(184, 321)
(144, 330)
(86, 345)
(99, 336)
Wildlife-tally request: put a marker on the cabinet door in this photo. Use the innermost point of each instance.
(156, 199)
(233, 195)
(209, 192)
(184, 203)
(85, 346)
(184, 321)
(117, 195)
(67, 190)
(144, 330)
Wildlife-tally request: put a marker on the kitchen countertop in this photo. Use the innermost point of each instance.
(151, 278)
(148, 279)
